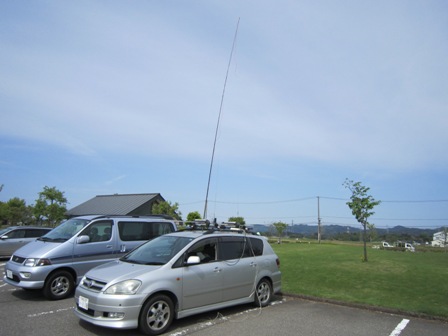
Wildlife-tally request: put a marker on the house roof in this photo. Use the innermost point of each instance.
(117, 204)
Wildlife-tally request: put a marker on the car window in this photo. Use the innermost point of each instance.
(34, 233)
(130, 231)
(206, 250)
(234, 248)
(2, 232)
(65, 230)
(160, 229)
(257, 246)
(157, 251)
(16, 234)
(98, 231)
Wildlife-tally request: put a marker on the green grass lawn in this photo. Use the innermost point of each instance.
(413, 282)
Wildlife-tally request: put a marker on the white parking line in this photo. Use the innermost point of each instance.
(51, 312)
(219, 318)
(400, 327)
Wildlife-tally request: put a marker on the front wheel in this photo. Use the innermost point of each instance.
(156, 315)
(263, 293)
(59, 285)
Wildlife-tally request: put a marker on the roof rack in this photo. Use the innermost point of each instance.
(208, 228)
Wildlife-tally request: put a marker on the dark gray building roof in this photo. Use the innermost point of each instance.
(125, 204)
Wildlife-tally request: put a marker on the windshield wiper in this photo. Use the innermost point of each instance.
(60, 239)
(45, 238)
(141, 262)
(131, 261)
(155, 263)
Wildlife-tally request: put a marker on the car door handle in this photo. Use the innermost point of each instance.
(217, 270)
(252, 264)
(108, 246)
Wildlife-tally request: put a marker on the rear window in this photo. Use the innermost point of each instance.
(137, 230)
(234, 248)
(257, 246)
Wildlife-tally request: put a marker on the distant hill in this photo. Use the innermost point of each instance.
(407, 230)
(331, 231)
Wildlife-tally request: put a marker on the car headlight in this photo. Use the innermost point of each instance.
(126, 287)
(37, 262)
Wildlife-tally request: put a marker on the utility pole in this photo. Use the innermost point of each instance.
(318, 219)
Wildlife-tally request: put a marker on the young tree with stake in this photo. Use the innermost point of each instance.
(361, 205)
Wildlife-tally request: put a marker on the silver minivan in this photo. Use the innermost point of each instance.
(57, 261)
(178, 275)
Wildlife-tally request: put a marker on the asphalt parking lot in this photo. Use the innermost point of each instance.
(29, 313)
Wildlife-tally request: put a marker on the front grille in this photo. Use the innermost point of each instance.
(17, 259)
(15, 278)
(89, 312)
(93, 285)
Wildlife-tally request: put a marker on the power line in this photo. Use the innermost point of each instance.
(395, 219)
(391, 201)
(314, 197)
(421, 201)
(266, 202)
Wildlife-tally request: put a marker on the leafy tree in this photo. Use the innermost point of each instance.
(192, 216)
(361, 205)
(39, 210)
(51, 205)
(238, 220)
(166, 208)
(16, 211)
(3, 214)
(280, 227)
(2, 209)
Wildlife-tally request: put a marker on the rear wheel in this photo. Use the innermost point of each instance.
(263, 293)
(59, 285)
(156, 315)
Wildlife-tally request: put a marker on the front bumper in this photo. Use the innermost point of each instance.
(25, 277)
(103, 307)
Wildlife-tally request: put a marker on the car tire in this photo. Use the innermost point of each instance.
(156, 315)
(263, 293)
(59, 285)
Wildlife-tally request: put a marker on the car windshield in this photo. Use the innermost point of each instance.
(157, 251)
(65, 230)
(3, 231)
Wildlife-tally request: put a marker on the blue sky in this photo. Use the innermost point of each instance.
(104, 97)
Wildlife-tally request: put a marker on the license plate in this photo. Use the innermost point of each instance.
(83, 302)
(9, 274)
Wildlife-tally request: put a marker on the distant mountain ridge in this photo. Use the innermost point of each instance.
(333, 230)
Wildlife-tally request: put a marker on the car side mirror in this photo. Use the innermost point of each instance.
(4, 237)
(82, 239)
(193, 260)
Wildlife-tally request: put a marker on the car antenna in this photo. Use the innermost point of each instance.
(219, 118)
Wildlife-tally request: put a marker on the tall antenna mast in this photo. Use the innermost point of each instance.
(219, 118)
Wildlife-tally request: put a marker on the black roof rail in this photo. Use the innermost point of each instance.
(162, 216)
(156, 216)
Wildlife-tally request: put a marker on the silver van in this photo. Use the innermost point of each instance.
(178, 275)
(14, 237)
(58, 260)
